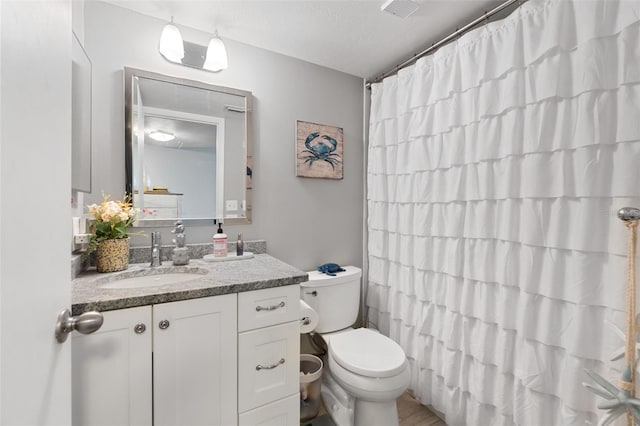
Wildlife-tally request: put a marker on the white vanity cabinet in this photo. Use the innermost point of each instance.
(190, 377)
(269, 357)
(220, 360)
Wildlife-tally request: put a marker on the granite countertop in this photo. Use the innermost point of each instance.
(262, 271)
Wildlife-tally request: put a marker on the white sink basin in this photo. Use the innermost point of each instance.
(153, 278)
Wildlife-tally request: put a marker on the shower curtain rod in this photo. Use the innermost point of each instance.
(435, 46)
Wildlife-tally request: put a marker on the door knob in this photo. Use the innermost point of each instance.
(86, 323)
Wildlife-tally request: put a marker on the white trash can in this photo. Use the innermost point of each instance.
(310, 382)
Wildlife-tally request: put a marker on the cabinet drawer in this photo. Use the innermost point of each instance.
(284, 412)
(268, 365)
(262, 308)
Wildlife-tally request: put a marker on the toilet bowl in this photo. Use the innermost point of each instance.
(367, 371)
(373, 370)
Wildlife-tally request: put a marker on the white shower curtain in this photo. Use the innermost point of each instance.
(495, 170)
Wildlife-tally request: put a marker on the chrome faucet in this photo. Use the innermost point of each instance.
(156, 244)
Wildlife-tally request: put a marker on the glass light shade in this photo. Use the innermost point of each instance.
(216, 56)
(171, 46)
(161, 136)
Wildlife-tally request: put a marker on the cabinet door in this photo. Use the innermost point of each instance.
(268, 365)
(111, 371)
(194, 362)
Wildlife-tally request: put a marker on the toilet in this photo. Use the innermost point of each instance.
(367, 371)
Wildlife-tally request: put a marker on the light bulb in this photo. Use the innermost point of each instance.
(171, 46)
(161, 136)
(216, 56)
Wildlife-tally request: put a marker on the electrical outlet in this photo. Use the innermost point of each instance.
(232, 205)
(82, 238)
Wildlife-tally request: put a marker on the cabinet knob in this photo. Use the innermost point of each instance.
(164, 324)
(270, 308)
(270, 367)
(139, 328)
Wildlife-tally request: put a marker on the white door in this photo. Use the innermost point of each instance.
(35, 190)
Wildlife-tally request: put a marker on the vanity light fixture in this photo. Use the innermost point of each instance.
(216, 59)
(171, 45)
(161, 136)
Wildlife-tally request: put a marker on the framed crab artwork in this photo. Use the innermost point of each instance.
(319, 150)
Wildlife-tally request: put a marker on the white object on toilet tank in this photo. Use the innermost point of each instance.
(308, 318)
(335, 299)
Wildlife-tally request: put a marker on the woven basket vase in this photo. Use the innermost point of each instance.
(112, 255)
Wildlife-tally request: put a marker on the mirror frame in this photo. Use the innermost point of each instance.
(129, 73)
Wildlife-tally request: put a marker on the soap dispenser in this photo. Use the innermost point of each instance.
(180, 252)
(220, 242)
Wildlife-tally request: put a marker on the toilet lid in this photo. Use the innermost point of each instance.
(367, 353)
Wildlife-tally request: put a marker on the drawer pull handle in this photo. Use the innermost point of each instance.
(270, 308)
(270, 367)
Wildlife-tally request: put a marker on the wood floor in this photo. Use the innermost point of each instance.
(412, 413)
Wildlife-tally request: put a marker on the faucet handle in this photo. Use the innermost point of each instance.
(156, 245)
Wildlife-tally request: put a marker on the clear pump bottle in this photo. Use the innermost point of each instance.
(239, 246)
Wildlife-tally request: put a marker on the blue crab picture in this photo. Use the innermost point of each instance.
(321, 150)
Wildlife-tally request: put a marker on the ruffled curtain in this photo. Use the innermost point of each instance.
(496, 167)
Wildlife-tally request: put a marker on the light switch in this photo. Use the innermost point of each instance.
(232, 205)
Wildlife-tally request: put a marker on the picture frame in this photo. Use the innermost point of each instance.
(319, 150)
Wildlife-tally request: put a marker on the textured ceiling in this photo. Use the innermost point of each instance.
(350, 36)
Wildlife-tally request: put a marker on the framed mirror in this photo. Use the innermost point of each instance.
(81, 117)
(188, 150)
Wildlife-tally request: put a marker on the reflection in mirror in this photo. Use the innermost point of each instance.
(81, 118)
(187, 149)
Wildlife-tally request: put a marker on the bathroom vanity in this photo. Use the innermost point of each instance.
(219, 348)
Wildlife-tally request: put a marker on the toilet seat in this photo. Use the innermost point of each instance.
(367, 353)
(369, 388)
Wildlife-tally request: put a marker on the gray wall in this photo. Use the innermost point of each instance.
(306, 222)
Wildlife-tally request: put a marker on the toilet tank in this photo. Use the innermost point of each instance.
(335, 299)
